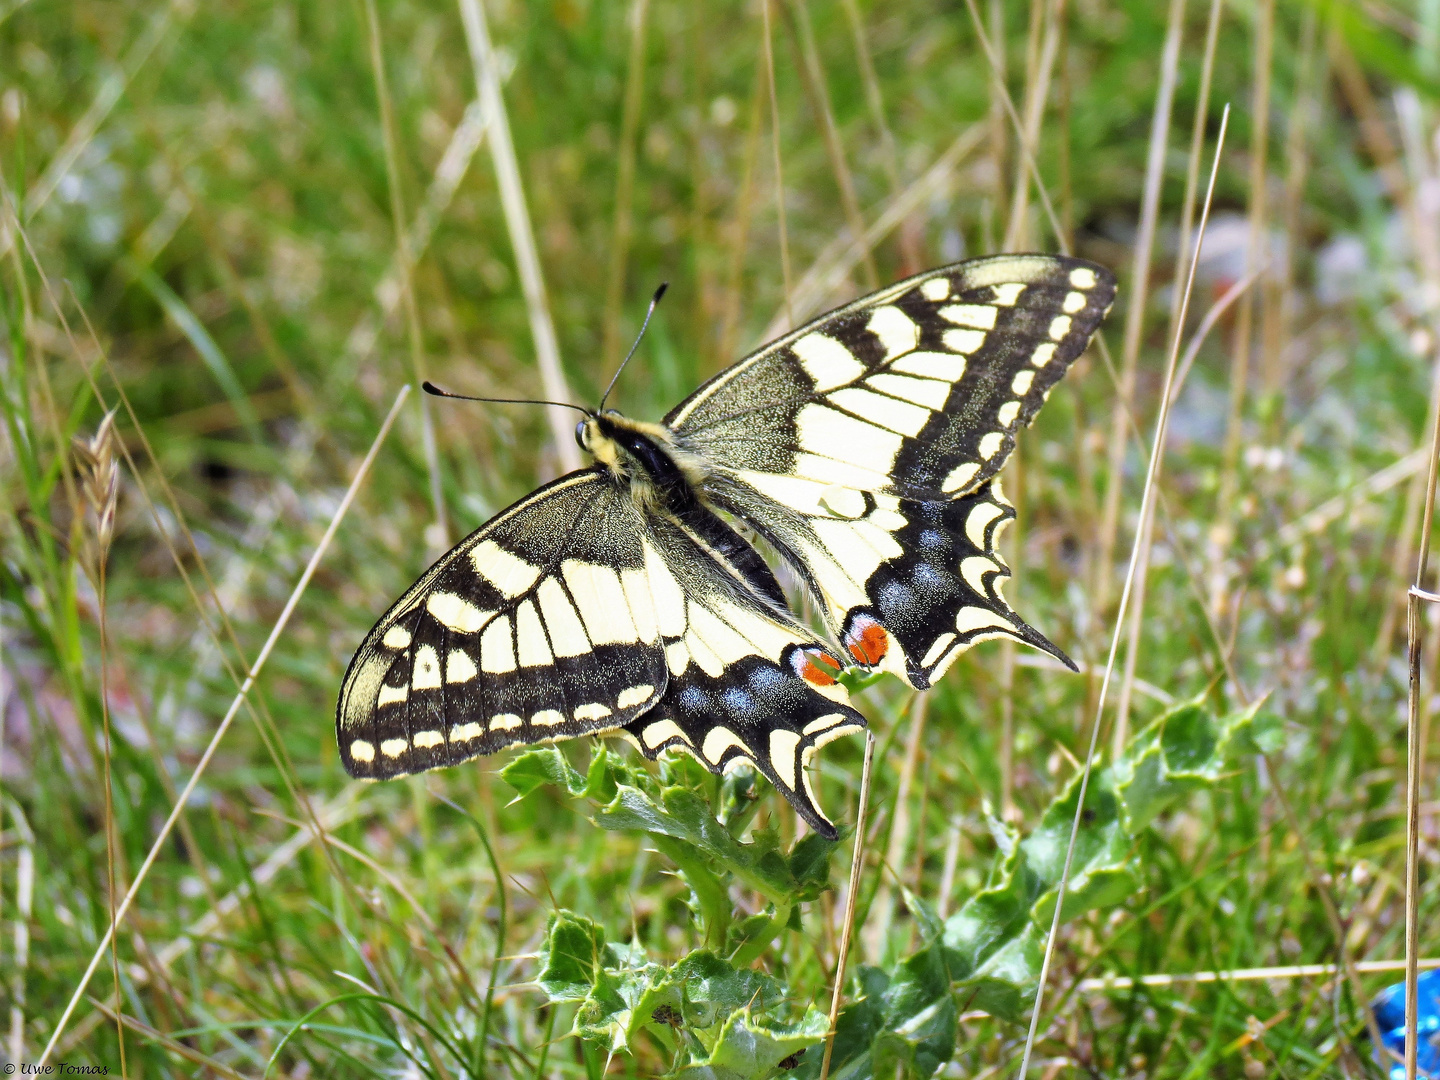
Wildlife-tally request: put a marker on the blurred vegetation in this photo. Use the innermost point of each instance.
(200, 208)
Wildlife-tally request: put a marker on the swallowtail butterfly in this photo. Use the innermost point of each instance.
(862, 447)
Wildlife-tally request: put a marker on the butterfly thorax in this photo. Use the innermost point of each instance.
(643, 458)
(667, 481)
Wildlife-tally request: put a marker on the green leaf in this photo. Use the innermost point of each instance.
(545, 765)
(749, 1048)
(574, 952)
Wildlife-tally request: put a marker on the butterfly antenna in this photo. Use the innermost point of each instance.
(432, 389)
(654, 300)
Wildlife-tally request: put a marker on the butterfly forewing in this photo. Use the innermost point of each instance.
(541, 625)
(916, 391)
(846, 443)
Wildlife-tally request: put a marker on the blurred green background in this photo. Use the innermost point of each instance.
(259, 220)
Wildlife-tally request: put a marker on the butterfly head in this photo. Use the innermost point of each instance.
(596, 436)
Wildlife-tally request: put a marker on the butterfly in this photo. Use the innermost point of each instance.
(623, 598)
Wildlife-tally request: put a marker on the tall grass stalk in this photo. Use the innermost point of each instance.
(250, 678)
(1157, 451)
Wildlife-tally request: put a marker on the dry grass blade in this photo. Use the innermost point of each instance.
(1414, 767)
(831, 268)
(768, 51)
(625, 185)
(240, 697)
(404, 265)
(857, 865)
(1290, 971)
(1136, 305)
(1157, 450)
(812, 77)
(522, 235)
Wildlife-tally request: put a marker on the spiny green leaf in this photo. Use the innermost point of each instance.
(574, 953)
(544, 765)
(748, 1048)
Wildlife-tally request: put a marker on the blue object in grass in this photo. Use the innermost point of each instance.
(1389, 1010)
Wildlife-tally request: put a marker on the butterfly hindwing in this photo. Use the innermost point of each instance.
(746, 682)
(541, 625)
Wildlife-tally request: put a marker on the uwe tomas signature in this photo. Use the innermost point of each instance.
(60, 1068)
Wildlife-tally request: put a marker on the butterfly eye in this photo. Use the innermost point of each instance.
(580, 434)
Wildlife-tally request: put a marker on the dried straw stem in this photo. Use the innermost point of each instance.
(522, 235)
(857, 864)
(224, 726)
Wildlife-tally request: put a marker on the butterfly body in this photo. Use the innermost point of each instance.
(862, 448)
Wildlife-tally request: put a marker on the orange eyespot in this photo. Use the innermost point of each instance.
(815, 666)
(866, 640)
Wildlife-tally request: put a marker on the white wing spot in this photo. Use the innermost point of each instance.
(897, 416)
(534, 649)
(509, 573)
(1060, 326)
(394, 747)
(361, 750)
(426, 739)
(601, 598)
(1074, 302)
(965, 341)
(830, 433)
(466, 732)
(391, 695)
(926, 392)
(665, 592)
(826, 361)
(642, 605)
(397, 637)
(945, 367)
(505, 721)
(1020, 385)
(1008, 412)
(426, 675)
(459, 668)
(959, 477)
(567, 636)
(497, 647)
(718, 741)
(456, 612)
(1083, 278)
(634, 695)
(937, 650)
(547, 718)
(972, 619)
(979, 521)
(974, 569)
(990, 444)
(662, 731)
(824, 722)
(677, 656)
(1007, 293)
(593, 711)
(936, 289)
(843, 502)
(980, 316)
(782, 755)
(1043, 354)
(896, 330)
